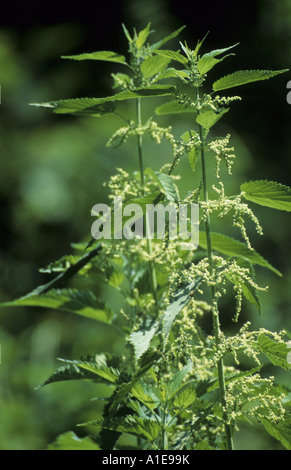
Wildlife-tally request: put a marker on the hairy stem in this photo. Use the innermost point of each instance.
(139, 142)
(164, 440)
(215, 311)
(153, 277)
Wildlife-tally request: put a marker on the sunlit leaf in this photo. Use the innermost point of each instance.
(145, 362)
(145, 394)
(177, 379)
(185, 395)
(146, 428)
(153, 65)
(166, 183)
(81, 302)
(99, 106)
(275, 351)
(70, 441)
(249, 291)
(172, 55)
(244, 77)
(207, 119)
(281, 430)
(142, 36)
(99, 368)
(141, 339)
(172, 107)
(179, 301)
(193, 153)
(98, 55)
(208, 60)
(268, 193)
(231, 247)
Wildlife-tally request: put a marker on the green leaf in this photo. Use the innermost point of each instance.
(211, 384)
(99, 55)
(146, 361)
(251, 295)
(170, 72)
(243, 77)
(231, 247)
(188, 135)
(167, 38)
(183, 438)
(67, 373)
(180, 300)
(145, 428)
(237, 376)
(119, 221)
(280, 431)
(129, 38)
(184, 74)
(144, 393)
(98, 106)
(70, 441)
(276, 352)
(193, 154)
(204, 445)
(249, 291)
(152, 90)
(121, 79)
(185, 396)
(153, 65)
(192, 157)
(144, 200)
(177, 379)
(268, 193)
(206, 385)
(142, 36)
(81, 302)
(166, 183)
(172, 107)
(208, 61)
(207, 119)
(80, 106)
(141, 339)
(172, 55)
(98, 368)
(116, 221)
(168, 187)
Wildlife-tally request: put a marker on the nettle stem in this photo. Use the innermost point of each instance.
(153, 277)
(164, 439)
(214, 308)
(139, 142)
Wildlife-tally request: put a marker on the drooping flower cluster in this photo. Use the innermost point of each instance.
(224, 205)
(222, 152)
(151, 127)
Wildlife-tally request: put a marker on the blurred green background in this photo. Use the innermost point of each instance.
(52, 169)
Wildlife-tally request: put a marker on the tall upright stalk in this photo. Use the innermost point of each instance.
(152, 271)
(164, 439)
(139, 142)
(214, 304)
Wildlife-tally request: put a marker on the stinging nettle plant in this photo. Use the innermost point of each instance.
(172, 389)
